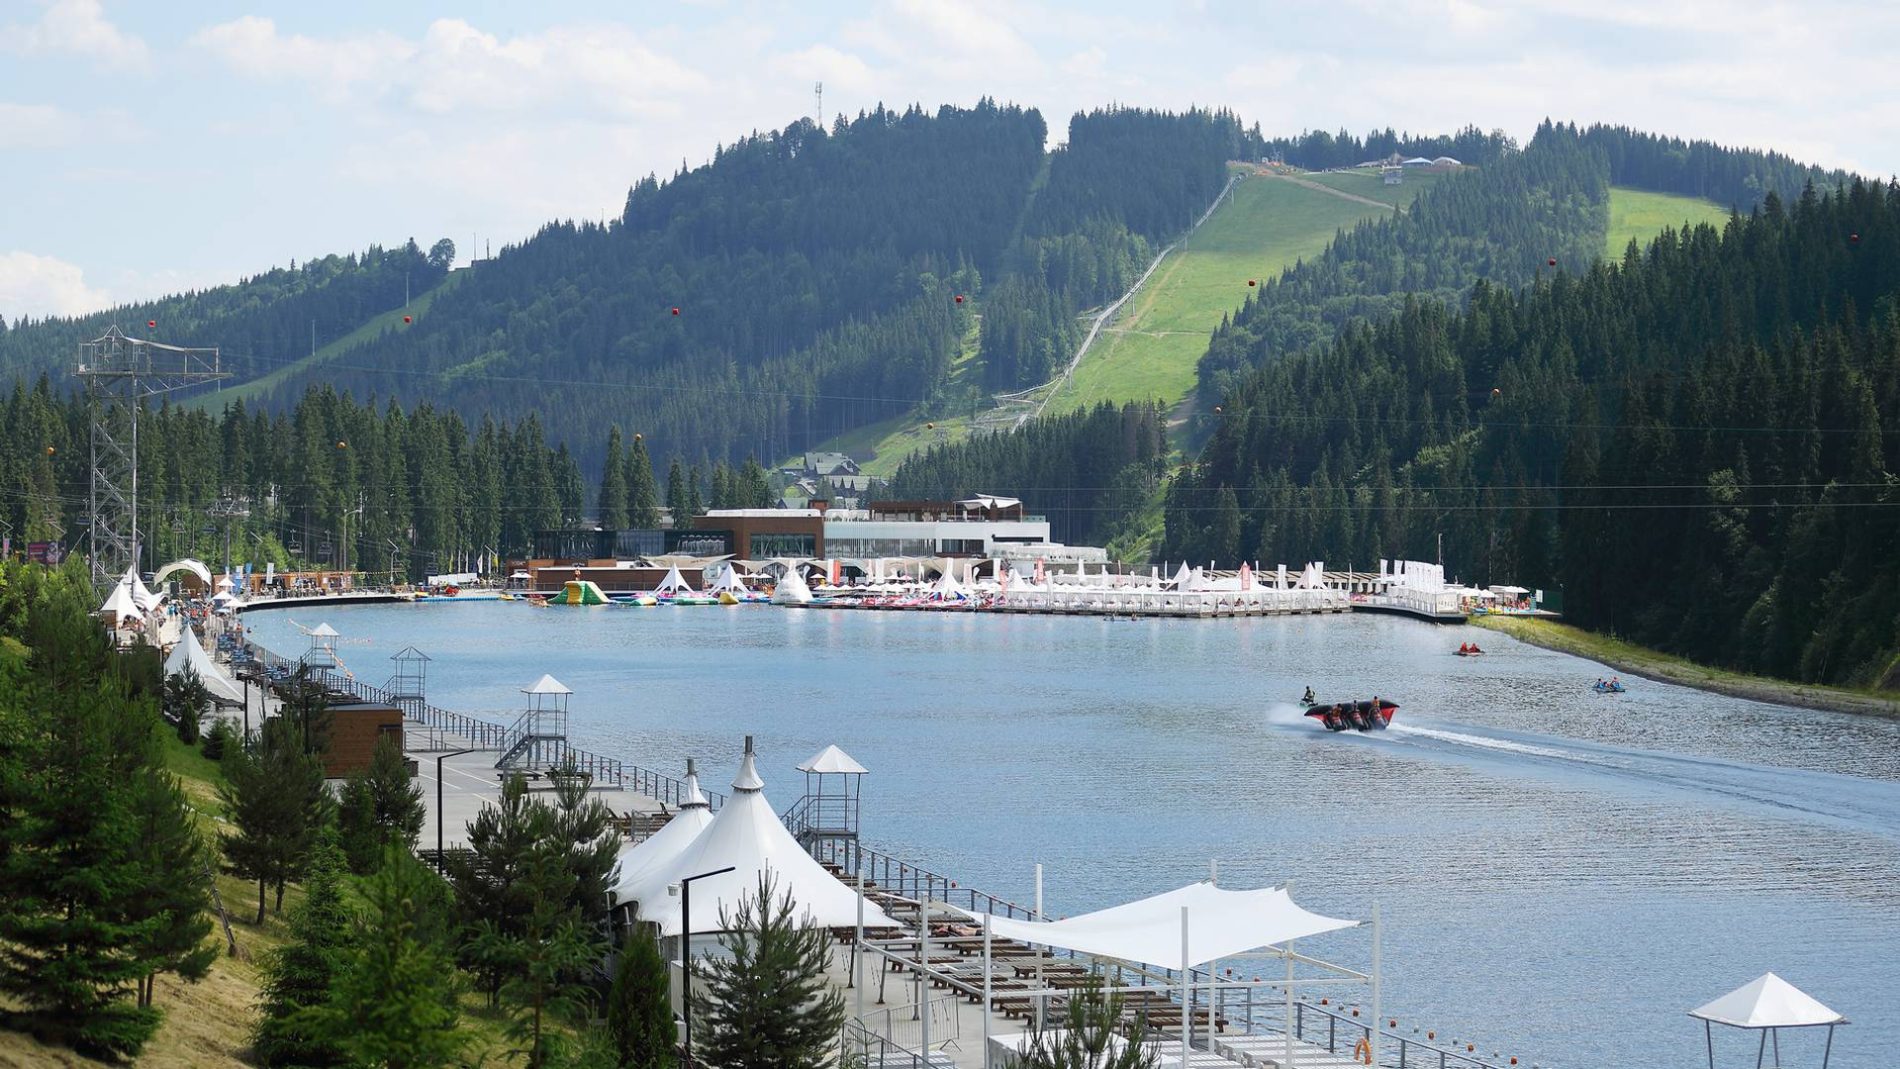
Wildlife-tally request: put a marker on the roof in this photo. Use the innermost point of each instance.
(187, 564)
(989, 501)
(831, 759)
(1767, 1001)
(546, 685)
(749, 836)
(120, 603)
(189, 654)
(1220, 923)
(323, 631)
(662, 846)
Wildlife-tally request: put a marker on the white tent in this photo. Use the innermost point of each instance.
(747, 835)
(187, 564)
(792, 590)
(662, 846)
(674, 583)
(1184, 578)
(1221, 924)
(1767, 1004)
(189, 654)
(830, 760)
(547, 684)
(120, 606)
(143, 598)
(728, 582)
(947, 589)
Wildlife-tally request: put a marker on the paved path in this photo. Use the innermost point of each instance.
(1321, 187)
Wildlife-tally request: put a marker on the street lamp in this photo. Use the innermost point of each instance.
(441, 860)
(684, 889)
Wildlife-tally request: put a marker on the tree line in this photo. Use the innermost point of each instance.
(334, 483)
(1695, 444)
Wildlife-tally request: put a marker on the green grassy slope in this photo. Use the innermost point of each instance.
(262, 385)
(1265, 226)
(1371, 185)
(1639, 215)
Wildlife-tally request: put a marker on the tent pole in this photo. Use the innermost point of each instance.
(1708, 1036)
(923, 973)
(1187, 990)
(987, 992)
(1775, 1033)
(1288, 952)
(857, 946)
(1825, 1051)
(1376, 1009)
(1213, 967)
(1040, 954)
(1762, 1050)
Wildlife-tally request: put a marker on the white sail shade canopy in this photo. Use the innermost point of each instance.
(187, 564)
(1767, 1001)
(748, 836)
(1221, 924)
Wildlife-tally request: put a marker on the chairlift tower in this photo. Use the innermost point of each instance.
(120, 374)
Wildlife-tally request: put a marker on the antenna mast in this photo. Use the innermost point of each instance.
(818, 104)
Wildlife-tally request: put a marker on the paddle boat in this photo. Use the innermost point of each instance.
(1374, 715)
(1608, 686)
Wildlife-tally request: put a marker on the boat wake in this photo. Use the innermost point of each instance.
(1865, 804)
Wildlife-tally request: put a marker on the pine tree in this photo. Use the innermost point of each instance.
(1091, 1038)
(639, 1010)
(69, 944)
(679, 501)
(380, 806)
(768, 1005)
(185, 700)
(613, 484)
(174, 891)
(643, 494)
(393, 1003)
(544, 956)
(276, 802)
(298, 975)
(695, 504)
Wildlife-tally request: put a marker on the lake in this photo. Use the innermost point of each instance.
(1561, 874)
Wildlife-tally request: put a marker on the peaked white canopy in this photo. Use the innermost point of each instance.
(1221, 924)
(728, 582)
(674, 583)
(323, 631)
(546, 685)
(948, 589)
(747, 835)
(1767, 1001)
(142, 597)
(190, 654)
(662, 846)
(120, 605)
(831, 759)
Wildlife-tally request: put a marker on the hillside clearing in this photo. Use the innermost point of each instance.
(1267, 225)
(1639, 215)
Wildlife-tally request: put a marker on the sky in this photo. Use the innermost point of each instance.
(149, 148)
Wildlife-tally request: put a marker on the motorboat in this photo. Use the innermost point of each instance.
(1374, 715)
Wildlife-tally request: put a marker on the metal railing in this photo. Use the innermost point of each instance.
(864, 1047)
(900, 877)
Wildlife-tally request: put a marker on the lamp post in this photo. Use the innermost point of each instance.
(440, 857)
(684, 889)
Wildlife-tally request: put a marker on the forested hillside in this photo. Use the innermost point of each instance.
(1697, 445)
(1317, 150)
(1086, 470)
(258, 323)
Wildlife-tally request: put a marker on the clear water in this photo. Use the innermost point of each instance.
(1561, 874)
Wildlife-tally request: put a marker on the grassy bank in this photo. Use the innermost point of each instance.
(1639, 215)
(208, 1023)
(1634, 660)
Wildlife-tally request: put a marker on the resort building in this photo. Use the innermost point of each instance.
(982, 526)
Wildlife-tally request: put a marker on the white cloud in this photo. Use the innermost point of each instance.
(44, 126)
(42, 286)
(78, 27)
(455, 67)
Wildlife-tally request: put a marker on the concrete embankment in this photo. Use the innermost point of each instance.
(1636, 660)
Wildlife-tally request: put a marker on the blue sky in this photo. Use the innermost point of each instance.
(147, 148)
